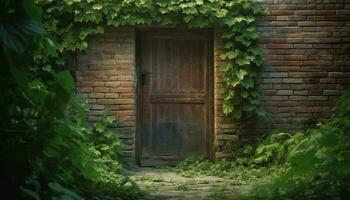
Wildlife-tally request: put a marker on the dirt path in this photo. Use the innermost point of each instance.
(168, 185)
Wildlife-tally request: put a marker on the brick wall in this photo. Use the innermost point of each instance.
(307, 49)
(225, 130)
(105, 77)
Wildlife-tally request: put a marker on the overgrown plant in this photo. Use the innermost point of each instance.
(71, 22)
(315, 162)
(274, 149)
(48, 149)
(229, 169)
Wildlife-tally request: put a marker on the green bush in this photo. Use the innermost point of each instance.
(274, 149)
(316, 162)
(48, 149)
(312, 164)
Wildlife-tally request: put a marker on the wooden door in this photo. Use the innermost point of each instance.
(175, 96)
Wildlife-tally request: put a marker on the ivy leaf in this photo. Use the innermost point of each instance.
(260, 112)
(65, 80)
(254, 94)
(248, 83)
(242, 39)
(239, 19)
(227, 108)
(255, 50)
(221, 13)
(225, 67)
(230, 54)
(242, 61)
(258, 61)
(244, 94)
(228, 45)
(97, 7)
(227, 35)
(237, 114)
(241, 74)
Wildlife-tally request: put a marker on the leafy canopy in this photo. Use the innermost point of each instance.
(70, 22)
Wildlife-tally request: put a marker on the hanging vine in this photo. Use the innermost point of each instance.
(70, 22)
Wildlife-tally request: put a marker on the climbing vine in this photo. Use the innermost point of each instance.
(70, 22)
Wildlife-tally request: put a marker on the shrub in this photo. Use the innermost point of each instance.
(48, 149)
(316, 162)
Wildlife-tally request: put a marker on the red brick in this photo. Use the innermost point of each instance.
(284, 92)
(105, 101)
(326, 12)
(280, 46)
(305, 12)
(318, 98)
(282, 12)
(306, 23)
(101, 89)
(318, 74)
(298, 74)
(301, 92)
(339, 74)
(292, 80)
(295, 57)
(332, 92)
(97, 95)
(269, 92)
(327, 80)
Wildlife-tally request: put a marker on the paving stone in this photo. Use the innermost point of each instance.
(165, 184)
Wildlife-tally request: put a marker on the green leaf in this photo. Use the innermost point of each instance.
(97, 7)
(244, 94)
(225, 67)
(65, 80)
(32, 194)
(237, 114)
(261, 112)
(50, 152)
(329, 140)
(243, 61)
(248, 83)
(241, 74)
(66, 193)
(32, 10)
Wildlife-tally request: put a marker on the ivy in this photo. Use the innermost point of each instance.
(70, 22)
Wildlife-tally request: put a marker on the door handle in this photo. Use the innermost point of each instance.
(143, 77)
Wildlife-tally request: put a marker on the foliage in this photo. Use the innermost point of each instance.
(227, 169)
(48, 150)
(71, 22)
(275, 148)
(313, 164)
(318, 167)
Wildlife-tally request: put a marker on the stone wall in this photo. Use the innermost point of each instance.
(307, 49)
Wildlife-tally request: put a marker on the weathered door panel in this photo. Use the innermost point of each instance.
(175, 95)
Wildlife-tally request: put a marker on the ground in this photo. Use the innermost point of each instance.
(167, 184)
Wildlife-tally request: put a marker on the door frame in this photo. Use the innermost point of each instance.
(210, 105)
